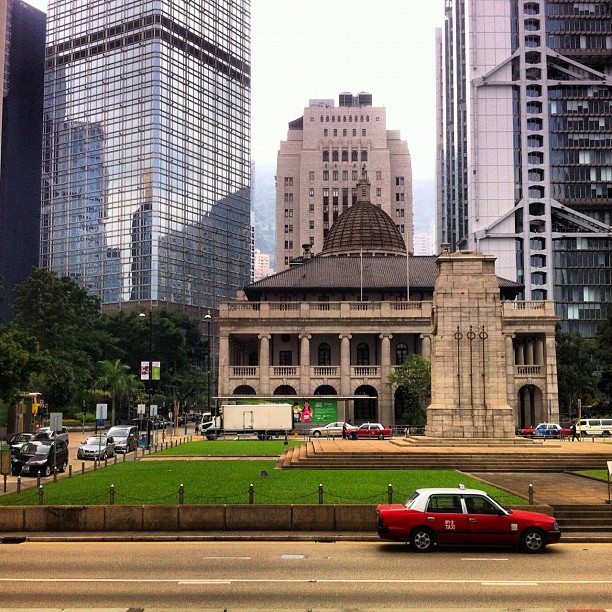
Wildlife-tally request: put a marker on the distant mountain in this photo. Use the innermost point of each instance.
(264, 207)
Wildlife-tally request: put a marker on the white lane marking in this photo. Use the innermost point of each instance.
(293, 556)
(305, 581)
(483, 559)
(205, 582)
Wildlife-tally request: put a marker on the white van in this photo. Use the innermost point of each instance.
(595, 427)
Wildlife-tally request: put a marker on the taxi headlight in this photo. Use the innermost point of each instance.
(556, 526)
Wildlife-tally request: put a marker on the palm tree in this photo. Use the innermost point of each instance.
(114, 378)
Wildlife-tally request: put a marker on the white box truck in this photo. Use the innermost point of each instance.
(263, 420)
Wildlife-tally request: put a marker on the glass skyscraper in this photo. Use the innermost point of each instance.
(146, 149)
(525, 146)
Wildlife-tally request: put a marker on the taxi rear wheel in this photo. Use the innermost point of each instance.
(422, 539)
(533, 541)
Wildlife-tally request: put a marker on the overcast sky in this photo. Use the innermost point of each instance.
(304, 49)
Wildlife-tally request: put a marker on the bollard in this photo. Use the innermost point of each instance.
(40, 495)
(95, 464)
(115, 458)
(18, 484)
(251, 496)
(82, 467)
(124, 454)
(181, 494)
(105, 461)
(390, 494)
(38, 480)
(320, 493)
(5, 483)
(112, 495)
(70, 471)
(55, 474)
(530, 494)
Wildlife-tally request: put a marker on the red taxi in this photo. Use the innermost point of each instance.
(370, 430)
(463, 516)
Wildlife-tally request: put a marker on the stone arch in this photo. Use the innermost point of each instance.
(325, 390)
(244, 390)
(366, 409)
(285, 390)
(531, 409)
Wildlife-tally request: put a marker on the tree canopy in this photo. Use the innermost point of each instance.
(413, 379)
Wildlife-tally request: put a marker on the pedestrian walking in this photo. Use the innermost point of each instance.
(573, 431)
(344, 431)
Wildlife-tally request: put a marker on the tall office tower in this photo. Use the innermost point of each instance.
(22, 58)
(146, 166)
(525, 141)
(320, 163)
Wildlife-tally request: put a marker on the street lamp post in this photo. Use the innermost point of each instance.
(150, 381)
(208, 318)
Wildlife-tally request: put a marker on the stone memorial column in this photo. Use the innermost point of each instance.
(264, 364)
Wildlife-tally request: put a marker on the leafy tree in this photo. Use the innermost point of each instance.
(174, 339)
(64, 319)
(114, 379)
(574, 370)
(413, 379)
(20, 358)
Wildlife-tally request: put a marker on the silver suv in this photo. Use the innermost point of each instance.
(125, 437)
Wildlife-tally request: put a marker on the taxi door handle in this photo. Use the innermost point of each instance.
(431, 518)
(472, 520)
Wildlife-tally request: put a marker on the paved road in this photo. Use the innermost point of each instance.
(301, 576)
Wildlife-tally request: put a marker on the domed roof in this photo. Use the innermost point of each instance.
(364, 228)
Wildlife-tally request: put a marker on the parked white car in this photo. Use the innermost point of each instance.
(330, 430)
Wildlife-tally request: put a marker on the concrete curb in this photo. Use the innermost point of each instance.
(238, 536)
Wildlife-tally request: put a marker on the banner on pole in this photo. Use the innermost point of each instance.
(144, 370)
(155, 370)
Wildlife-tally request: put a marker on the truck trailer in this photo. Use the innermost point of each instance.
(263, 420)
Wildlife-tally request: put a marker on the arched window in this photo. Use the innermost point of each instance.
(401, 353)
(325, 156)
(364, 156)
(363, 354)
(354, 156)
(324, 354)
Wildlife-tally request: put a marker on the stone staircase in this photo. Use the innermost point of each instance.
(592, 518)
(310, 456)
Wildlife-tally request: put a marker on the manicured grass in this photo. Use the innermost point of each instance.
(236, 448)
(603, 474)
(227, 482)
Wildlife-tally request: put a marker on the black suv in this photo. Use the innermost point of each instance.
(38, 456)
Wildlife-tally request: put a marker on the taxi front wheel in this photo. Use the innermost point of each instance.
(533, 541)
(422, 539)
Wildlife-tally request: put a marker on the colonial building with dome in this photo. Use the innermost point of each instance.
(330, 329)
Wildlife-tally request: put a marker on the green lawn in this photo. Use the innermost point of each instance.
(603, 474)
(227, 482)
(236, 448)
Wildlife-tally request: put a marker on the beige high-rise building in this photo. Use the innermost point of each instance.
(320, 163)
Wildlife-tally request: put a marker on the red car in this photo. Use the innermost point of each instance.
(370, 430)
(463, 516)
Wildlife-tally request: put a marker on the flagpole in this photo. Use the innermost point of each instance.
(361, 274)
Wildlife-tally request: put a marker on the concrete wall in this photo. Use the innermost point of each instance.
(349, 517)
